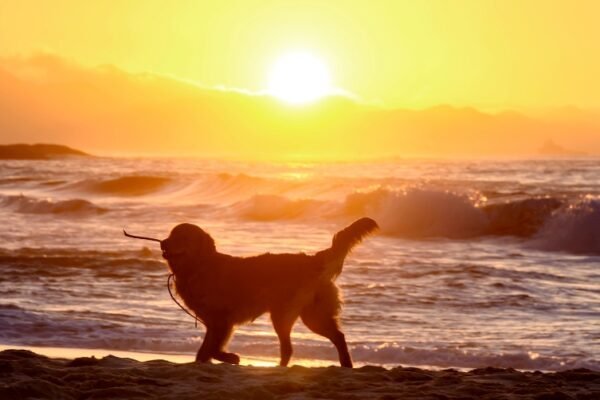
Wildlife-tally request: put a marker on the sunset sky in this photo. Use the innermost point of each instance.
(499, 54)
(530, 56)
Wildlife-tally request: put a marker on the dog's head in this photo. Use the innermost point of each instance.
(187, 243)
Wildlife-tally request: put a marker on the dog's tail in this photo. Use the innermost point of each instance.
(345, 240)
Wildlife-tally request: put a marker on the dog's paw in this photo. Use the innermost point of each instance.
(230, 358)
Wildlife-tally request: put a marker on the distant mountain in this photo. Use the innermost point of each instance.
(37, 152)
(45, 98)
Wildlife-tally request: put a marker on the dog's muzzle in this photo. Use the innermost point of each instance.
(163, 248)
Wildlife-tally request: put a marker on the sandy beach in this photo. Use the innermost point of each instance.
(27, 375)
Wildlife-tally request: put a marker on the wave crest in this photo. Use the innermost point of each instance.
(420, 213)
(28, 205)
(574, 228)
(520, 218)
(136, 185)
(551, 223)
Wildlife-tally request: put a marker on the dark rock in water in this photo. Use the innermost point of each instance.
(550, 148)
(37, 152)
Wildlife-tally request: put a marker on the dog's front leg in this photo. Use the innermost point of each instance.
(215, 340)
(204, 354)
(229, 358)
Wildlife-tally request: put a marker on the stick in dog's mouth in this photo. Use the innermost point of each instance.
(141, 237)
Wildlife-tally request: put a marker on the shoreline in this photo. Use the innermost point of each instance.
(181, 358)
(25, 374)
(143, 356)
(250, 361)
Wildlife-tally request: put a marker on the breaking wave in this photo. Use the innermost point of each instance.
(124, 186)
(28, 205)
(574, 228)
(522, 217)
(420, 213)
(550, 224)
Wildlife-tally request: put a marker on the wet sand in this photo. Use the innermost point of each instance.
(24, 374)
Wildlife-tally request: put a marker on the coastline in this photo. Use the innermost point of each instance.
(25, 374)
(143, 356)
(184, 358)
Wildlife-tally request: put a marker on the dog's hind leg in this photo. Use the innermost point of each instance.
(328, 327)
(320, 316)
(283, 323)
(216, 338)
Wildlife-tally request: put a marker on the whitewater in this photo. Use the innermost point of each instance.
(477, 262)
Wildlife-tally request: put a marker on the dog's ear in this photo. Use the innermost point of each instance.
(206, 244)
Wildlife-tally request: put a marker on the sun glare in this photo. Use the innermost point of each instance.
(299, 78)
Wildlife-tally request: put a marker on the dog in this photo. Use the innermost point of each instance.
(225, 291)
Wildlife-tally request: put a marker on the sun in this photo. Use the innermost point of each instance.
(299, 78)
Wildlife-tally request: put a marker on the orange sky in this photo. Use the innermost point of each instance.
(488, 54)
(140, 77)
(49, 99)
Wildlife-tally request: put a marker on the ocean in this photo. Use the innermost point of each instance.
(477, 263)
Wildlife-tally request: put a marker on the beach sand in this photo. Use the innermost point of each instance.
(27, 375)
